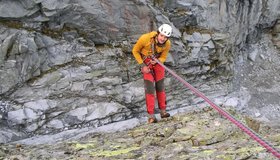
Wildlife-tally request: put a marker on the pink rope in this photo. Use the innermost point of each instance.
(224, 113)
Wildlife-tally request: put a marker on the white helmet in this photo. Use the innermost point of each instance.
(165, 29)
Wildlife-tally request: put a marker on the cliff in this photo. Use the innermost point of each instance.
(67, 65)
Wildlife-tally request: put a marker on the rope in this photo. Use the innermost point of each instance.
(247, 130)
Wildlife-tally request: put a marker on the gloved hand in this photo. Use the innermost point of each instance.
(145, 69)
(153, 62)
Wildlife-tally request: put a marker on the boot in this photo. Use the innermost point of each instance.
(164, 114)
(152, 120)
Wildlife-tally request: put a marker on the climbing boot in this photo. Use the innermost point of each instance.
(152, 120)
(164, 115)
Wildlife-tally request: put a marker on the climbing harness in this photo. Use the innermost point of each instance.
(243, 127)
(152, 56)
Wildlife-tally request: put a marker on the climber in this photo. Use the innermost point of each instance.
(155, 44)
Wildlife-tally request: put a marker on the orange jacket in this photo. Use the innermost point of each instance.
(143, 48)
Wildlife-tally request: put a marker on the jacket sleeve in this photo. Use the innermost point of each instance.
(137, 50)
(164, 54)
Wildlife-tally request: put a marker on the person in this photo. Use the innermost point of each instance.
(155, 44)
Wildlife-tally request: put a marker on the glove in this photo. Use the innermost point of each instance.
(145, 69)
(153, 62)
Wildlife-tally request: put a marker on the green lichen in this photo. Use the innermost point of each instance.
(138, 132)
(109, 153)
(208, 152)
(84, 146)
(249, 149)
(275, 138)
(224, 157)
(157, 2)
(241, 153)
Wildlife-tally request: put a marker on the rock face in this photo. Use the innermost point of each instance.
(68, 64)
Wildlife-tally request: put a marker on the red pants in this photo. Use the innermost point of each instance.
(154, 81)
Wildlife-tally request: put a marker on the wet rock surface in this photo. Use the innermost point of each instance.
(200, 134)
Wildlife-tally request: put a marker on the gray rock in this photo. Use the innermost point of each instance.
(67, 55)
(57, 124)
(8, 135)
(80, 113)
(22, 116)
(48, 79)
(32, 127)
(206, 37)
(41, 105)
(232, 102)
(16, 9)
(253, 55)
(209, 45)
(219, 36)
(108, 81)
(101, 110)
(197, 37)
(80, 86)
(5, 46)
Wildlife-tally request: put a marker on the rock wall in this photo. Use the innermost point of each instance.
(68, 64)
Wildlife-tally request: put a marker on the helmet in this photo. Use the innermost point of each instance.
(165, 29)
